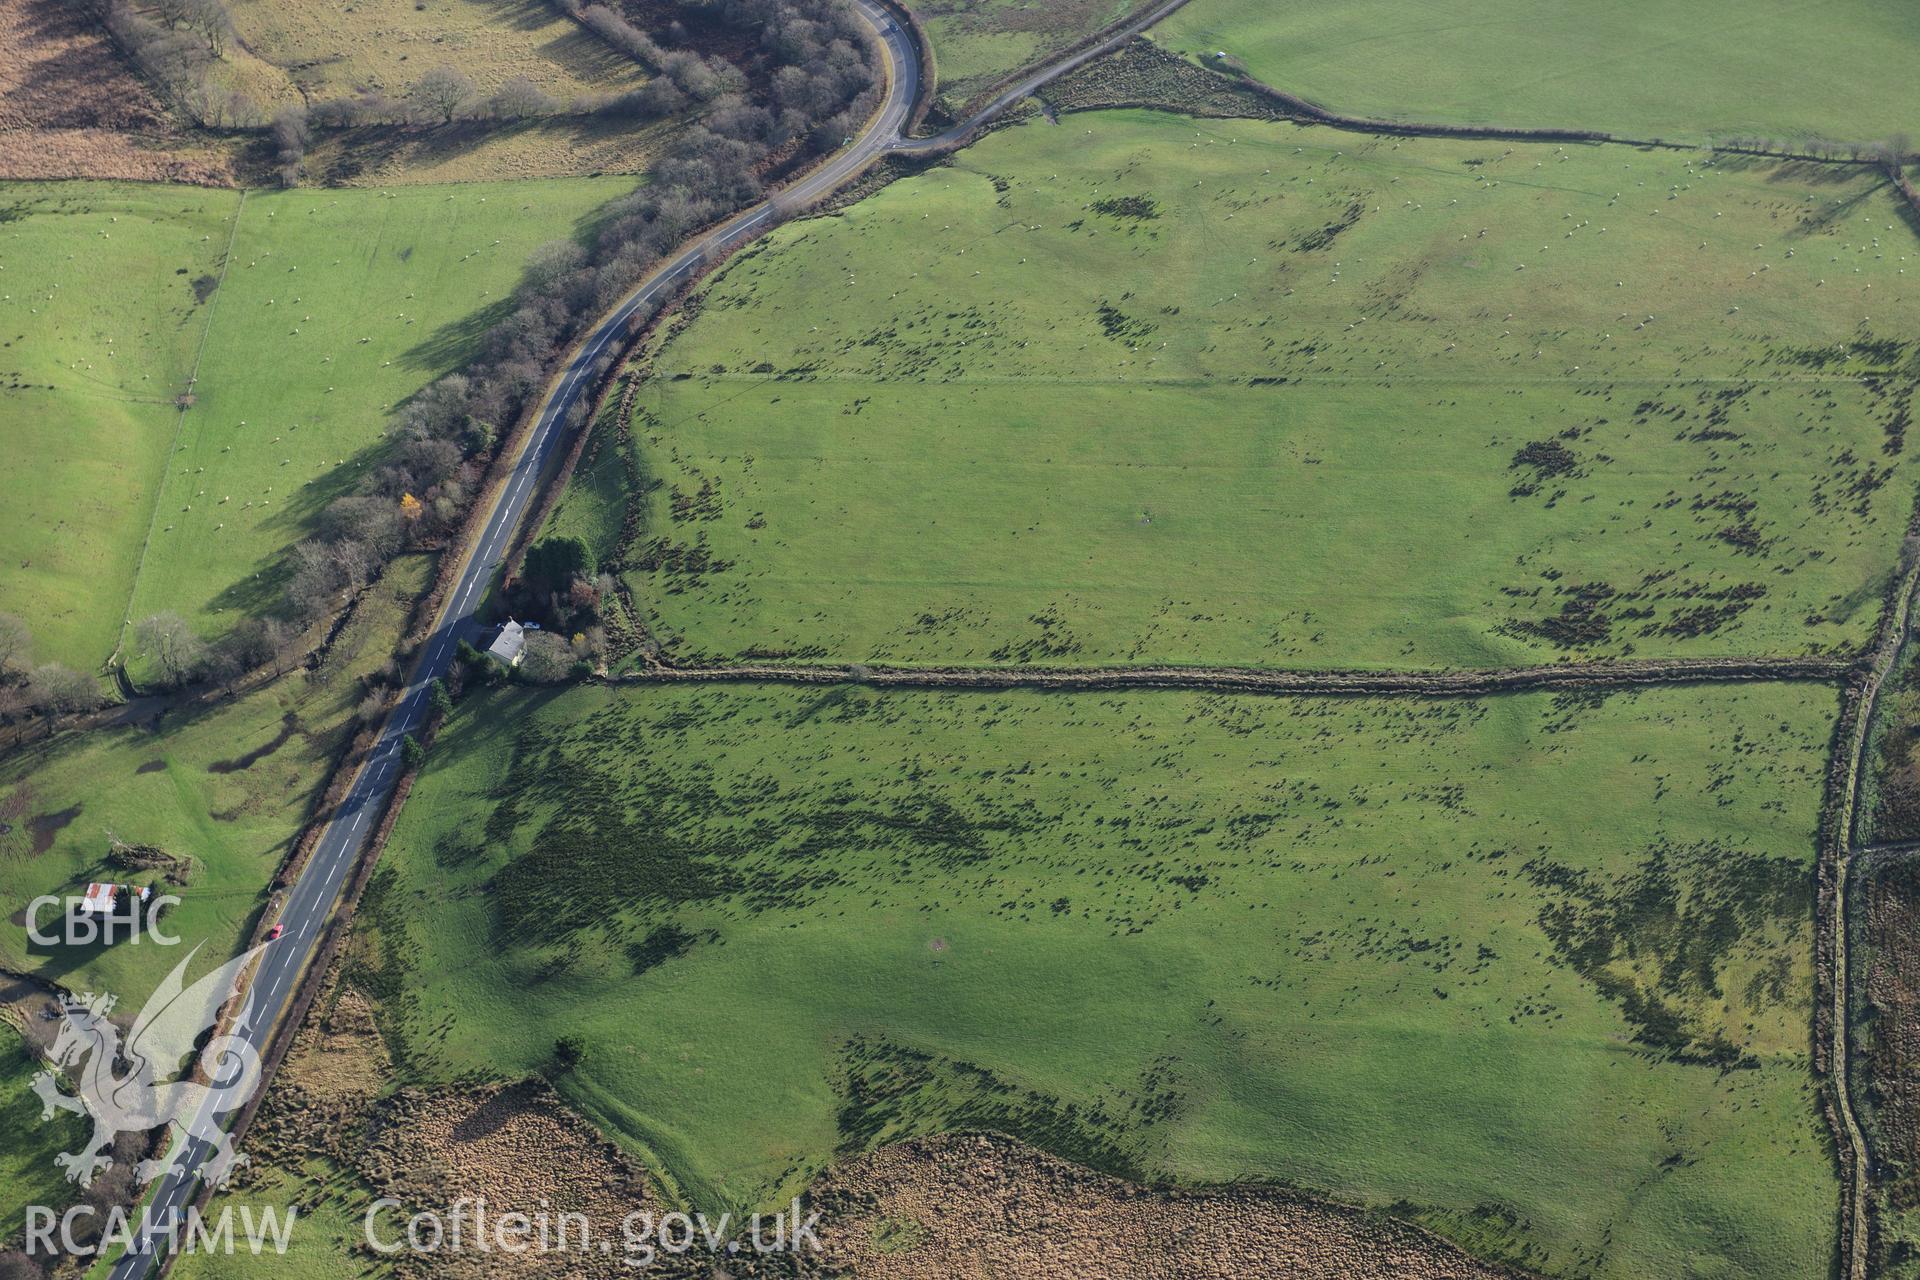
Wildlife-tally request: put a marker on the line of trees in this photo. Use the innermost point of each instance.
(814, 52)
(680, 75)
(177, 656)
(1890, 151)
(822, 83)
(177, 43)
(445, 94)
(46, 690)
(714, 168)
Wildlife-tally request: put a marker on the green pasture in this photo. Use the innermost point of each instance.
(28, 1175)
(336, 306)
(1537, 968)
(1136, 388)
(100, 328)
(226, 786)
(329, 1234)
(1639, 69)
(593, 506)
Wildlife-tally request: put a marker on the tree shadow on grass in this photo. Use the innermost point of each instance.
(451, 346)
(584, 54)
(524, 15)
(587, 229)
(1825, 217)
(259, 594)
(448, 349)
(1810, 173)
(378, 149)
(370, 148)
(1908, 214)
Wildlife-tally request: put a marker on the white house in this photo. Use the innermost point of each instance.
(509, 644)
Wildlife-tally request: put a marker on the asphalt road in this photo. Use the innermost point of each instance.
(310, 902)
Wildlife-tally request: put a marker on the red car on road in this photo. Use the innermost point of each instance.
(275, 932)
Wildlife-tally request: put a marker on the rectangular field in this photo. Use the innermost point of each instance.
(334, 308)
(331, 309)
(1139, 388)
(100, 302)
(1638, 69)
(1538, 968)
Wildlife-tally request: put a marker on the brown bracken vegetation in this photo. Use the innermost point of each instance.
(959, 1207)
(71, 108)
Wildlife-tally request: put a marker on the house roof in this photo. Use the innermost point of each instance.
(508, 644)
(101, 897)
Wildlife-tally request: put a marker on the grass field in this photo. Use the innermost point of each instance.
(228, 787)
(593, 506)
(1380, 949)
(335, 306)
(1135, 388)
(975, 42)
(328, 1240)
(28, 1144)
(1634, 68)
(290, 50)
(101, 323)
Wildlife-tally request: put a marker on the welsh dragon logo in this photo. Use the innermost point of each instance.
(121, 1089)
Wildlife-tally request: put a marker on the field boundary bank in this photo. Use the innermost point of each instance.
(184, 406)
(1833, 1021)
(1572, 676)
(1292, 107)
(1300, 108)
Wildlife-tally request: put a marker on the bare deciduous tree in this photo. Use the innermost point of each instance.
(208, 19)
(521, 99)
(443, 91)
(54, 690)
(172, 646)
(292, 134)
(16, 642)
